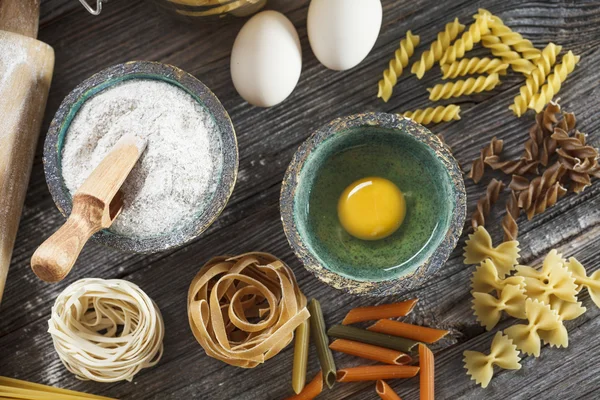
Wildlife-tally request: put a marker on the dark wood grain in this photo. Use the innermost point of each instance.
(133, 29)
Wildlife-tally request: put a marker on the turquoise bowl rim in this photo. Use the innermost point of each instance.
(143, 70)
(384, 287)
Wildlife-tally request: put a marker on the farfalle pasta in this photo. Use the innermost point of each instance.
(485, 279)
(468, 39)
(503, 353)
(435, 115)
(475, 65)
(554, 82)
(592, 282)
(566, 311)
(554, 280)
(479, 248)
(540, 317)
(397, 65)
(463, 87)
(536, 79)
(438, 48)
(488, 309)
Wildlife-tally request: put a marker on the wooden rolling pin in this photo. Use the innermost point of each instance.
(26, 67)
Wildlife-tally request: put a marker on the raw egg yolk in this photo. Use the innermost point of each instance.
(371, 208)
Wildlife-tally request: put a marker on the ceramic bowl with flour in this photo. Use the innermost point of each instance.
(184, 178)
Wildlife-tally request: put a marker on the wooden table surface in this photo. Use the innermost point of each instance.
(133, 29)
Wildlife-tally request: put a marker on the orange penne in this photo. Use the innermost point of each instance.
(427, 375)
(385, 391)
(376, 372)
(361, 314)
(370, 352)
(310, 391)
(408, 331)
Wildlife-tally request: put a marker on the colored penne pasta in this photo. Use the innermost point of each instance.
(310, 391)
(319, 337)
(361, 314)
(370, 352)
(301, 343)
(409, 331)
(376, 372)
(373, 338)
(385, 391)
(427, 374)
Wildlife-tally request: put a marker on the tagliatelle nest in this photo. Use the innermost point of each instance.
(243, 310)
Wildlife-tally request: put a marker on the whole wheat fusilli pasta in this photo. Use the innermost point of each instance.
(478, 165)
(463, 87)
(437, 49)
(397, 65)
(486, 202)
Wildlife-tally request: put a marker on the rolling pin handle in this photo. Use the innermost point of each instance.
(53, 260)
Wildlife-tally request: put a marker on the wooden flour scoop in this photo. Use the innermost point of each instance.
(96, 204)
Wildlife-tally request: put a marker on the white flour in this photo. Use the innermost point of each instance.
(177, 174)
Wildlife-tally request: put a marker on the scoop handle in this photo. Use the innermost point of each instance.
(54, 259)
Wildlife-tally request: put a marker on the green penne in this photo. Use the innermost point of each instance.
(319, 336)
(301, 343)
(374, 338)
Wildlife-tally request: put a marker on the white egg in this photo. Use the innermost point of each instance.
(343, 32)
(266, 59)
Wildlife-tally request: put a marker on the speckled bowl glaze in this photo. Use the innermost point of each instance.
(143, 70)
(371, 130)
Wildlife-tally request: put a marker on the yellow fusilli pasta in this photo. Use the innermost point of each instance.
(397, 65)
(479, 247)
(488, 309)
(540, 317)
(543, 65)
(437, 49)
(463, 87)
(511, 38)
(468, 39)
(475, 65)
(435, 115)
(485, 279)
(503, 354)
(552, 86)
(507, 55)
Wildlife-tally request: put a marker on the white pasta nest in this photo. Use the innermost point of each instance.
(106, 330)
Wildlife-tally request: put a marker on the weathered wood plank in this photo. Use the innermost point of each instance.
(268, 137)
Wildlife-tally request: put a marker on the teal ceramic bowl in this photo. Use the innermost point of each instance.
(225, 151)
(366, 145)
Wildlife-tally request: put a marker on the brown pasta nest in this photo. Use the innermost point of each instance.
(243, 310)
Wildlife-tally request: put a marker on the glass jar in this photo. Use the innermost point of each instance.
(196, 9)
(210, 9)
